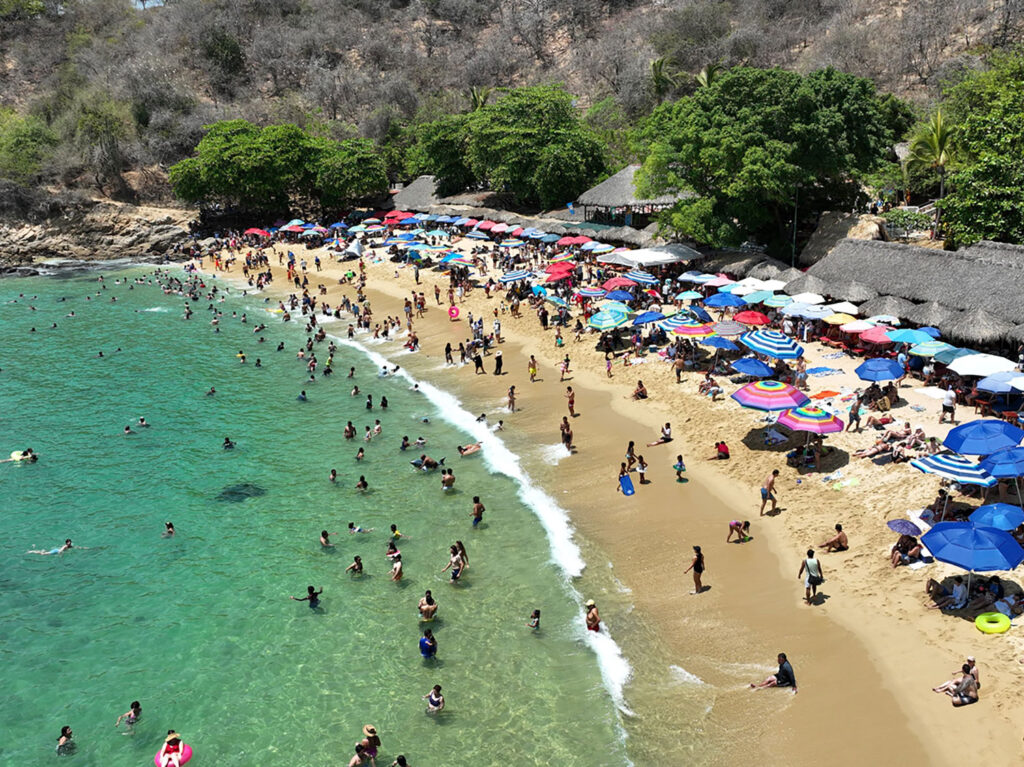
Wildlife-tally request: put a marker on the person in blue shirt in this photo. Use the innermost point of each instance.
(428, 645)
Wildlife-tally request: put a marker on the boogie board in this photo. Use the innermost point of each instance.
(626, 483)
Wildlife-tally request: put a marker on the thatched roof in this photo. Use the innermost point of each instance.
(789, 274)
(627, 235)
(852, 291)
(740, 263)
(986, 275)
(978, 326)
(1017, 334)
(767, 270)
(807, 283)
(932, 314)
(897, 307)
(420, 195)
(619, 191)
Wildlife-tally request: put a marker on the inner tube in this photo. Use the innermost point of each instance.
(992, 623)
(453, 312)
(186, 754)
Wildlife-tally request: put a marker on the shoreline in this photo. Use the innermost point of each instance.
(838, 653)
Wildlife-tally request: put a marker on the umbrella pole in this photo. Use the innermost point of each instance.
(945, 505)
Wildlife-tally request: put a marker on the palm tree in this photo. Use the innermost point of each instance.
(478, 97)
(934, 147)
(706, 76)
(663, 79)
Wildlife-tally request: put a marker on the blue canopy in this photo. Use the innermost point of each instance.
(619, 295)
(750, 366)
(444, 219)
(718, 342)
(699, 313)
(646, 317)
(954, 467)
(338, 225)
(933, 332)
(978, 549)
(908, 336)
(1001, 516)
(550, 238)
(983, 437)
(1005, 463)
(724, 299)
(1003, 382)
(772, 343)
(880, 369)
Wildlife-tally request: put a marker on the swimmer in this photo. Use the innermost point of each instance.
(64, 743)
(428, 645)
(482, 418)
(312, 596)
(22, 456)
(427, 607)
(468, 449)
(355, 391)
(447, 479)
(435, 700)
(534, 620)
(48, 552)
(405, 444)
(228, 444)
(362, 485)
(130, 717)
(334, 475)
(377, 428)
(392, 551)
(396, 568)
(356, 567)
(500, 426)
(209, 393)
(368, 435)
(128, 430)
(325, 539)
(395, 535)
(383, 403)
(302, 396)
(354, 528)
(142, 424)
(415, 388)
(168, 530)
(420, 442)
(360, 454)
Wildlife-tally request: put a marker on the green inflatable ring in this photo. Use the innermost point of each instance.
(992, 623)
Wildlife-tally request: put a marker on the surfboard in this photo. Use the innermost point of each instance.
(626, 483)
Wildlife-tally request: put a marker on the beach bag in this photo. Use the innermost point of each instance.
(815, 580)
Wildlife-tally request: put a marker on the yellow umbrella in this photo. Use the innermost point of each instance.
(839, 319)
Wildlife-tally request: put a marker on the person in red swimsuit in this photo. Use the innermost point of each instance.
(170, 754)
(593, 618)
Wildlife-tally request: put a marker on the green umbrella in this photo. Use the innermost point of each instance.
(608, 320)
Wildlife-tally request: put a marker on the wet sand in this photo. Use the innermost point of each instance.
(865, 659)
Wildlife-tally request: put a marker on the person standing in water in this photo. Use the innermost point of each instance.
(593, 617)
(356, 568)
(65, 744)
(478, 511)
(427, 606)
(697, 566)
(435, 700)
(130, 717)
(168, 530)
(428, 645)
(312, 596)
(534, 620)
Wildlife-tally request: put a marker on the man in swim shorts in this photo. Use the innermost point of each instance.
(478, 510)
(768, 491)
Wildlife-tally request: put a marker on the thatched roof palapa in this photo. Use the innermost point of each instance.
(1017, 334)
(896, 307)
(985, 275)
(739, 263)
(619, 191)
(807, 283)
(420, 195)
(933, 314)
(979, 327)
(852, 291)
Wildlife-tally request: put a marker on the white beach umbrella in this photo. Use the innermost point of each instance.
(981, 365)
(772, 285)
(844, 307)
(808, 298)
(857, 326)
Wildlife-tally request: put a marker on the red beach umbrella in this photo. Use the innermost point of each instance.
(485, 225)
(618, 282)
(751, 318)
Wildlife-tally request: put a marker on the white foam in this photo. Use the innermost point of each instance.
(680, 674)
(157, 309)
(554, 453)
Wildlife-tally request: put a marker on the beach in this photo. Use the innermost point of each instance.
(866, 658)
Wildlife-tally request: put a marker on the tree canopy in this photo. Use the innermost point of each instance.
(268, 169)
(986, 199)
(755, 140)
(25, 146)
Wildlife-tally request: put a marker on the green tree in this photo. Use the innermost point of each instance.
(439, 149)
(664, 80)
(349, 171)
(478, 96)
(933, 147)
(753, 140)
(101, 128)
(708, 74)
(986, 197)
(26, 143)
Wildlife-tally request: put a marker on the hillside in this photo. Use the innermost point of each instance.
(126, 86)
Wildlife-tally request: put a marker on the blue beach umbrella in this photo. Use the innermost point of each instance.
(461, 221)
(699, 313)
(1005, 463)
(933, 332)
(538, 290)
(750, 366)
(602, 248)
(772, 343)
(983, 437)
(777, 301)
(647, 317)
(758, 296)
(1001, 516)
(550, 238)
(908, 336)
(724, 299)
(717, 342)
(338, 225)
(978, 549)
(1002, 382)
(688, 295)
(433, 217)
(445, 219)
(619, 295)
(475, 235)
(880, 369)
(953, 354)
(437, 233)
(954, 467)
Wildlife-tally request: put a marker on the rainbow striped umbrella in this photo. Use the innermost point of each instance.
(563, 257)
(693, 329)
(375, 228)
(510, 244)
(810, 418)
(770, 395)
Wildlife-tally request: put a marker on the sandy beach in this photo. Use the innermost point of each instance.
(866, 658)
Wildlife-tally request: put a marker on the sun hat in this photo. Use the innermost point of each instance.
(171, 736)
(369, 729)
(589, 603)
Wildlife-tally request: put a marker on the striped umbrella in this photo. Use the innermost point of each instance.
(770, 395)
(521, 274)
(563, 257)
(730, 328)
(603, 248)
(591, 292)
(758, 296)
(929, 348)
(511, 243)
(772, 343)
(607, 320)
(376, 228)
(642, 277)
(954, 467)
(475, 235)
(777, 301)
(616, 306)
(810, 418)
(694, 329)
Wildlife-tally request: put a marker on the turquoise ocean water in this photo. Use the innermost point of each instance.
(199, 628)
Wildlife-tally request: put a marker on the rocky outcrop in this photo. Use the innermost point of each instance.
(90, 229)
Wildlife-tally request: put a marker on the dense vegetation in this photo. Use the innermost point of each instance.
(110, 93)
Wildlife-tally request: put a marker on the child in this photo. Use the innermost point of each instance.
(680, 467)
(641, 468)
(742, 531)
(534, 620)
(608, 366)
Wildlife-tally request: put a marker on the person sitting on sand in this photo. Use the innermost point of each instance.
(784, 677)
(838, 542)
(721, 452)
(966, 690)
(640, 392)
(951, 685)
(946, 599)
(905, 550)
(986, 595)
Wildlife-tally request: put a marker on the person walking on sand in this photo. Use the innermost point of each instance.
(497, 362)
(531, 368)
(697, 566)
(593, 618)
(812, 574)
(948, 406)
(768, 491)
(630, 455)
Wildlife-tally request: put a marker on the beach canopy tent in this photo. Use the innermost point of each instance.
(973, 548)
(673, 253)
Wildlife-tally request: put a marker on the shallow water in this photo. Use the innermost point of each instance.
(199, 628)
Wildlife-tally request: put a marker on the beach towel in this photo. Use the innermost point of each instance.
(833, 356)
(851, 482)
(823, 371)
(918, 408)
(773, 437)
(932, 391)
(825, 394)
